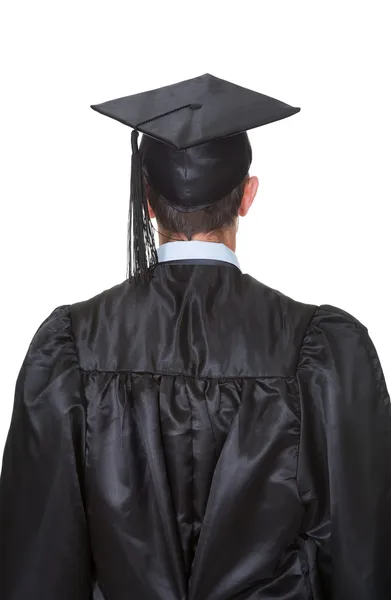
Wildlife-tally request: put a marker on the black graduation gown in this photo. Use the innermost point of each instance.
(203, 437)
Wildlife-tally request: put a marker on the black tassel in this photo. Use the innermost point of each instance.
(142, 255)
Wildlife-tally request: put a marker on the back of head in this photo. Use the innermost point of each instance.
(208, 221)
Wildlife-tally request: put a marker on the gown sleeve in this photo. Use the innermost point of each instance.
(44, 547)
(344, 461)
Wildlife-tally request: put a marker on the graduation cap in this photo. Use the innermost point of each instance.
(194, 151)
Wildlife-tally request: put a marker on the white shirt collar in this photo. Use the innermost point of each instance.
(188, 249)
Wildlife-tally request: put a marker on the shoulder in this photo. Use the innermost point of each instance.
(285, 312)
(327, 315)
(316, 334)
(274, 296)
(107, 304)
(332, 336)
(105, 301)
(53, 332)
(338, 348)
(51, 355)
(49, 377)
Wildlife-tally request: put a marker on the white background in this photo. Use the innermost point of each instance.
(319, 228)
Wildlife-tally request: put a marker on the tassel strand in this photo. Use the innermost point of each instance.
(142, 254)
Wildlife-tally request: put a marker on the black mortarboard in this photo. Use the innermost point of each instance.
(195, 149)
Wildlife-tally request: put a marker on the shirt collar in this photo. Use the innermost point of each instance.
(188, 249)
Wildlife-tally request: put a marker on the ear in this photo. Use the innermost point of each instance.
(250, 191)
(150, 211)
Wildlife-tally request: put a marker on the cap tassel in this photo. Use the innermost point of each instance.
(142, 254)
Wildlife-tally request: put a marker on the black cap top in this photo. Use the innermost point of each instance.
(196, 149)
(213, 108)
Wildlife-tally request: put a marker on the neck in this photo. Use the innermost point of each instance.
(221, 236)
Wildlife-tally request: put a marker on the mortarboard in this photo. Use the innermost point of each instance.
(194, 151)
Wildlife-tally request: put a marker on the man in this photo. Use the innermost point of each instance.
(191, 433)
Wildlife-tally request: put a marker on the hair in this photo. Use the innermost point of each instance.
(218, 216)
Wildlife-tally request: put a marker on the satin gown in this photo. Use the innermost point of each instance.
(201, 437)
